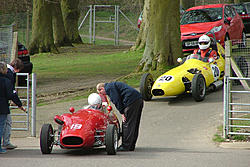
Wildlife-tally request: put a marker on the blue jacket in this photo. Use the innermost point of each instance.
(6, 93)
(121, 95)
(12, 77)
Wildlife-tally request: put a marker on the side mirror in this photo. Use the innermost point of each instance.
(109, 108)
(71, 109)
(228, 20)
(58, 119)
(179, 60)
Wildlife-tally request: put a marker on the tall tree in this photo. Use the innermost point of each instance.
(60, 38)
(42, 33)
(71, 15)
(163, 43)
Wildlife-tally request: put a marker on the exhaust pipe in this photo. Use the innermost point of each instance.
(216, 85)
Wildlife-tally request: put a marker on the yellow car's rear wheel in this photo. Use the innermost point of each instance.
(146, 86)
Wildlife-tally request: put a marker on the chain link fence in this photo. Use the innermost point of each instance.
(104, 29)
(5, 43)
(21, 23)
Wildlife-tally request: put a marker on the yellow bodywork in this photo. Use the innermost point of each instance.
(172, 83)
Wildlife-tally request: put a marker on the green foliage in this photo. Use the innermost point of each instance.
(218, 138)
(239, 137)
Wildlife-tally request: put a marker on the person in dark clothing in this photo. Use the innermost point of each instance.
(14, 67)
(6, 93)
(129, 103)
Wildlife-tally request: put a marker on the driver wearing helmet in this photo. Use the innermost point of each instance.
(204, 49)
(95, 101)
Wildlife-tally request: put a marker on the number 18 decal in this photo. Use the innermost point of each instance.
(76, 126)
(215, 71)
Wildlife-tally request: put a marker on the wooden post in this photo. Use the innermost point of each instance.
(27, 29)
(227, 86)
(14, 47)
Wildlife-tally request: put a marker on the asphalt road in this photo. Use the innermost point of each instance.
(174, 132)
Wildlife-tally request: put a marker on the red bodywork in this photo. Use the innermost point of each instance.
(191, 32)
(85, 127)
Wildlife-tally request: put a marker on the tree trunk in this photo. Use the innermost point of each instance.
(60, 38)
(42, 33)
(163, 42)
(71, 15)
(141, 38)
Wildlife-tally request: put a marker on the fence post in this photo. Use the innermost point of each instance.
(227, 85)
(27, 29)
(14, 47)
(90, 23)
(33, 114)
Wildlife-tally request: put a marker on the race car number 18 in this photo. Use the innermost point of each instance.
(76, 126)
(215, 71)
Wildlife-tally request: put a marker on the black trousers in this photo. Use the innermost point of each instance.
(130, 128)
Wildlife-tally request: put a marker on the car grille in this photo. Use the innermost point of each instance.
(72, 140)
(190, 43)
(157, 92)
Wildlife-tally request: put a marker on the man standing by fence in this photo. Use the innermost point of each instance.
(15, 66)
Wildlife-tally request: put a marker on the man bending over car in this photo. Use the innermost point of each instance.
(129, 103)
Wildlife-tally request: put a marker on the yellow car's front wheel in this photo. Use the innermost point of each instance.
(146, 86)
(198, 87)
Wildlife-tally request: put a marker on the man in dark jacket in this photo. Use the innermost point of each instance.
(14, 67)
(129, 103)
(6, 93)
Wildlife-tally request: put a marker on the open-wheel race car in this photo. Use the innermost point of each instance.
(85, 128)
(193, 75)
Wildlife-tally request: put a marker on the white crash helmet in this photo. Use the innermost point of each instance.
(94, 99)
(204, 42)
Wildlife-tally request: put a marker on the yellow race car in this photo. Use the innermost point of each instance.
(192, 76)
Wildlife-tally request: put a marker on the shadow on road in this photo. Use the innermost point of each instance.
(140, 152)
(211, 97)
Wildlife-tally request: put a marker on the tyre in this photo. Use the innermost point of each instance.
(227, 38)
(111, 138)
(243, 43)
(46, 139)
(146, 84)
(198, 87)
(243, 65)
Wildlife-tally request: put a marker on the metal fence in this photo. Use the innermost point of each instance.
(27, 93)
(108, 23)
(21, 23)
(237, 89)
(5, 43)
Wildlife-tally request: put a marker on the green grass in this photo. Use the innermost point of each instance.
(218, 136)
(75, 64)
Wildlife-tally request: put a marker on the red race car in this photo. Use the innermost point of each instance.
(85, 128)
